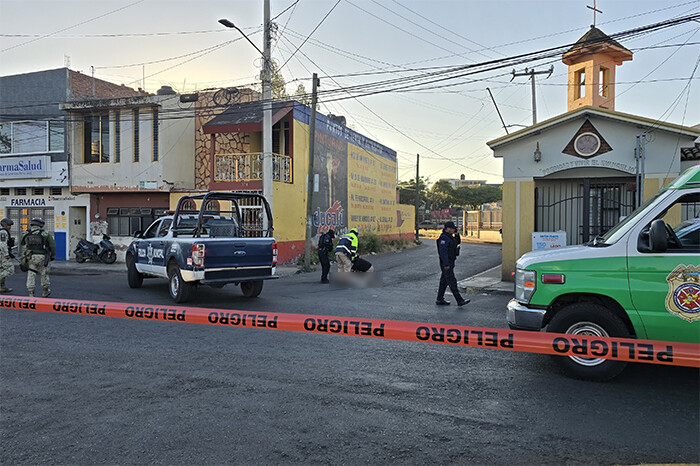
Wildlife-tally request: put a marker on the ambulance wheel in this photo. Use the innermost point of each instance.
(179, 289)
(252, 288)
(133, 276)
(594, 320)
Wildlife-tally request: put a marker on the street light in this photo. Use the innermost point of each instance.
(266, 101)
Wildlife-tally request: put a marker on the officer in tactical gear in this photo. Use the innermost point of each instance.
(325, 245)
(346, 250)
(7, 267)
(41, 249)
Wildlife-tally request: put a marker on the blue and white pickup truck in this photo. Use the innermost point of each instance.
(213, 245)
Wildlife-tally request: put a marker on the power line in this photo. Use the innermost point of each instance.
(73, 26)
(310, 34)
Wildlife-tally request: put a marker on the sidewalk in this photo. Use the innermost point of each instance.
(487, 281)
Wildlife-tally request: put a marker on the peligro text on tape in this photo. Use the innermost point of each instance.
(620, 349)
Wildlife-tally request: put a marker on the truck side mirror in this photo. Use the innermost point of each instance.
(658, 236)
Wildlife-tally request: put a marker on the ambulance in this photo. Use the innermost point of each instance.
(639, 280)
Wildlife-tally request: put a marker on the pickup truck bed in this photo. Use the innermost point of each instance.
(203, 248)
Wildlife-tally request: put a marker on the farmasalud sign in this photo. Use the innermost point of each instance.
(37, 166)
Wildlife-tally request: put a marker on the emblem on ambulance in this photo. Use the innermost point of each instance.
(683, 298)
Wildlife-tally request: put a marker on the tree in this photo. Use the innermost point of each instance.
(441, 195)
(472, 198)
(279, 87)
(407, 192)
(300, 95)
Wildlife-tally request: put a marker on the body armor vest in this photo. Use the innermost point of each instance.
(35, 242)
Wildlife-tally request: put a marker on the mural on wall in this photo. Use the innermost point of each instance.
(330, 201)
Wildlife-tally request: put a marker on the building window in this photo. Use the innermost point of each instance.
(32, 137)
(136, 135)
(280, 142)
(4, 191)
(20, 191)
(604, 82)
(57, 136)
(125, 221)
(56, 191)
(38, 191)
(96, 137)
(117, 137)
(580, 84)
(155, 134)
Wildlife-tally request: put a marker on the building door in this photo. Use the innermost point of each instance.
(23, 215)
(583, 208)
(76, 227)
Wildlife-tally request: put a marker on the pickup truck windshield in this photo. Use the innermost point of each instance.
(619, 230)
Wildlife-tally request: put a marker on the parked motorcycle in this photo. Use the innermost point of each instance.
(103, 252)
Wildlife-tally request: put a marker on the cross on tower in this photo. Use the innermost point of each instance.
(595, 10)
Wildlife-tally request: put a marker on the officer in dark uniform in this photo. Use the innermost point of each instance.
(325, 245)
(448, 246)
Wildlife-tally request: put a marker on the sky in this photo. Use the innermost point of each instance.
(357, 46)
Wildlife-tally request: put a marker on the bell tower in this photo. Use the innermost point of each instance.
(592, 61)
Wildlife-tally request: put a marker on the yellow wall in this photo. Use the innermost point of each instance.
(509, 223)
(518, 223)
(289, 200)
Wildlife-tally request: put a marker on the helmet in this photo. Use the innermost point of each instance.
(7, 221)
(36, 221)
(354, 230)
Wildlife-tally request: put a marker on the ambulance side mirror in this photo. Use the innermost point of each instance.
(658, 236)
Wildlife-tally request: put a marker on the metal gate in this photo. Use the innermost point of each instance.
(23, 215)
(582, 208)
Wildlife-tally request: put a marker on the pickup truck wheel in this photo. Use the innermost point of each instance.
(252, 288)
(592, 320)
(180, 290)
(133, 276)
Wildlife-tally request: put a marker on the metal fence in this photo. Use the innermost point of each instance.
(249, 167)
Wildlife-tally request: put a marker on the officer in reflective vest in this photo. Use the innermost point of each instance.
(7, 267)
(40, 248)
(346, 251)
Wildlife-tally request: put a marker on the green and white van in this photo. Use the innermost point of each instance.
(639, 280)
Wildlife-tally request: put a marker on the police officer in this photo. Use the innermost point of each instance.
(346, 251)
(7, 267)
(448, 245)
(41, 248)
(325, 245)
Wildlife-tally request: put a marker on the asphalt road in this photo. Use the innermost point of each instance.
(87, 390)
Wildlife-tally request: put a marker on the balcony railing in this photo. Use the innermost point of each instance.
(248, 167)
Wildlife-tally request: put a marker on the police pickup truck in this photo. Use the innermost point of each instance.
(210, 246)
(641, 279)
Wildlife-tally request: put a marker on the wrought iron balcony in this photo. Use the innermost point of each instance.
(248, 167)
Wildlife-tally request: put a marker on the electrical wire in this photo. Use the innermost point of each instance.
(310, 34)
(73, 26)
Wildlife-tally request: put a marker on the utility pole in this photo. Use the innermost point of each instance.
(267, 111)
(498, 111)
(532, 73)
(417, 195)
(310, 177)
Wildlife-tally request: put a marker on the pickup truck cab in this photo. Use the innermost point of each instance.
(205, 247)
(639, 280)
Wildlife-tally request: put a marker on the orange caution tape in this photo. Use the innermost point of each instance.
(620, 349)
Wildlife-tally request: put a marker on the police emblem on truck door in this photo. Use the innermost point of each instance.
(683, 298)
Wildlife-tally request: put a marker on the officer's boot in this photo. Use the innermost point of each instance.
(3, 288)
(47, 292)
(30, 293)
